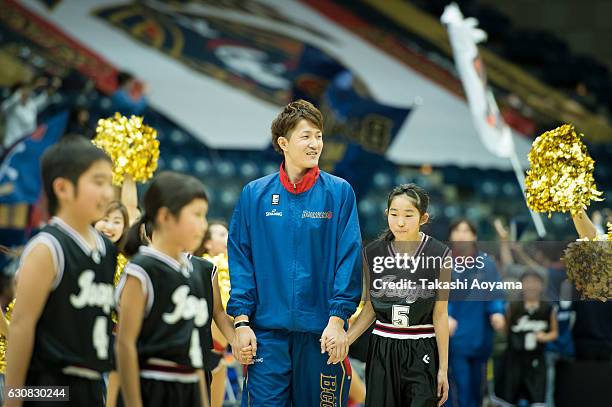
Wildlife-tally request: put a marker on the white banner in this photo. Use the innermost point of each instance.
(464, 35)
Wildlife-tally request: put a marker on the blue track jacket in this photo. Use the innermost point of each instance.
(295, 252)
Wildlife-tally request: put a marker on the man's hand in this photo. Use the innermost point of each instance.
(501, 231)
(334, 341)
(244, 346)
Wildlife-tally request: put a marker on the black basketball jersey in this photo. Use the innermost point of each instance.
(75, 326)
(202, 283)
(525, 323)
(176, 308)
(402, 298)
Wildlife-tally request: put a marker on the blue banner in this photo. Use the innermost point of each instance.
(20, 180)
(358, 131)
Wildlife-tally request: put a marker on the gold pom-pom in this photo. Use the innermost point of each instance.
(121, 263)
(589, 266)
(561, 175)
(131, 144)
(3, 342)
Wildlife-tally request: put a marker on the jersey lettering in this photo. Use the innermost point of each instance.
(93, 294)
(187, 307)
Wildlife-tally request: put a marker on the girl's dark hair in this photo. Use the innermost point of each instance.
(417, 195)
(167, 190)
(118, 206)
(201, 251)
(458, 221)
(69, 158)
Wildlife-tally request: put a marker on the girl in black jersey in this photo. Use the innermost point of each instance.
(162, 306)
(115, 224)
(532, 323)
(59, 334)
(408, 356)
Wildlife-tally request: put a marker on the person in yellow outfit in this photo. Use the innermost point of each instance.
(214, 249)
(118, 217)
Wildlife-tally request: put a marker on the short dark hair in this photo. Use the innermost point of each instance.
(291, 116)
(69, 159)
(170, 190)
(123, 77)
(531, 273)
(458, 221)
(418, 196)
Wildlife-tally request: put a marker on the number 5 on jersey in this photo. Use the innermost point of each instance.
(400, 316)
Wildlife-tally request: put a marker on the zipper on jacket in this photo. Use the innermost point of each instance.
(293, 203)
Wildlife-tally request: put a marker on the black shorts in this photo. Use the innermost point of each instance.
(402, 372)
(159, 393)
(212, 360)
(83, 392)
(522, 376)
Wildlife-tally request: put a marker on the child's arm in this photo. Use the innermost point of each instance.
(222, 320)
(132, 305)
(112, 389)
(225, 325)
(362, 322)
(553, 333)
(129, 198)
(203, 388)
(584, 226)
(34, 282)
(440, 322)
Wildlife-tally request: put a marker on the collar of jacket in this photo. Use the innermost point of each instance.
(304, 185)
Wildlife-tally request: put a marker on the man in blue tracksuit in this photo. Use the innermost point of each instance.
(295, 269)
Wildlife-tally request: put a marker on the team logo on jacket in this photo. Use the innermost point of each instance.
(274, 212)
(317, 215)
(275, 199)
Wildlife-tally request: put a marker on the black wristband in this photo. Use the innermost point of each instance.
(241, 323)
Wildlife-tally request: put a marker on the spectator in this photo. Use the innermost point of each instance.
(78, 122)
(531, 324)
(129, 98)
(22, 107)
(471, 322)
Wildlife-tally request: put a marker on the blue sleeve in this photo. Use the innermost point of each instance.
(348, 273)
(496, 305)
(243, 293)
